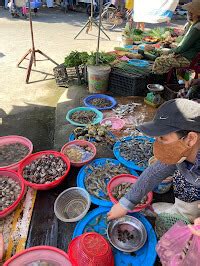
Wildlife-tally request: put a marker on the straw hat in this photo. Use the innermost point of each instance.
(193, 7)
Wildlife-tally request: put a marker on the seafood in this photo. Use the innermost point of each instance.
(12, 153)
(45, 169)
(137, 151)
(83, 117)
(9, 191)
(124, 235)
(125, 109)
(97, 133)
(78, 153)
(100, 102)
(98, 177)
(120, 190)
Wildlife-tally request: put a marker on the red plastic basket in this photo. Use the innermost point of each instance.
(21, 182)
(80, 143)
(36, 156)
(37, 253)
(126, 178)
(90, 249)
(5, 140)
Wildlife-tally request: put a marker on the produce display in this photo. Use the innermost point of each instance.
(98, 177)
(77, 153)
(9, 190)
(100, 102)
(45, 169)
(137, 151)
(12, 153)
(83, 117)
(95, 132)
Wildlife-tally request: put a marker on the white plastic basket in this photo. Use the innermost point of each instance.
(72, 204)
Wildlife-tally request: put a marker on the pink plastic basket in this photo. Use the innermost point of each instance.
(43, 253)
(36, 156)
(80, 143)
(117, 123)
(13, 139)
(90, 249)
(20, 180)
(117, 180)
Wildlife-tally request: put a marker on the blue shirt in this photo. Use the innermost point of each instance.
(186, 181)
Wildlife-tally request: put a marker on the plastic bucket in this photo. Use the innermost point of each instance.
(98, 77)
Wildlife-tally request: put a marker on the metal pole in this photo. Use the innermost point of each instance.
(31, 27)
(99, 32)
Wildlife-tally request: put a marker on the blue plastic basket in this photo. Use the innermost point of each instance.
(97, 120)
(138, 63)
(130, 164)
(82, 175)
(101, 96)
(145, 256)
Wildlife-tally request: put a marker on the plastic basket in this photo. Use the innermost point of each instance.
(20, 180)
(37, 155)
(50, 254)
(165, 221)
(72, 204)
(116, 123)
(5, 140)
(101, 96)
(125, 178)
(138, 63)
(90, 249)
(130, 164)
(99, 116)
(80, 143)
(83, 174)
(127, 84)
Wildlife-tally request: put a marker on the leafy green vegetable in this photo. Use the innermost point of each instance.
(104, 58)
(76, 58)
(137, 32)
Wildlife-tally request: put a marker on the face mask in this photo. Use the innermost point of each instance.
(172, 153)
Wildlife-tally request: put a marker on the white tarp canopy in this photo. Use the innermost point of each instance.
(154, 11)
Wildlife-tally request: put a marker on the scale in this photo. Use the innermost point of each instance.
(154, 98)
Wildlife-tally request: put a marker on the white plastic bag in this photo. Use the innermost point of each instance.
(155, 11)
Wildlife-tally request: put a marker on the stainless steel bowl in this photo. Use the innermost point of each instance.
(155, 87)
(131, 224)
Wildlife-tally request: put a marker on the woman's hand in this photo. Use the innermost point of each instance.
(117, 211)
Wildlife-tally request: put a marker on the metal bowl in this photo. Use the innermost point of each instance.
(155, 87)
(132, 225)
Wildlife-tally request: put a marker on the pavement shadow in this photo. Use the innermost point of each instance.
(35, 122)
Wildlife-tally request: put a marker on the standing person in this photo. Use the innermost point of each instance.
(176, 128)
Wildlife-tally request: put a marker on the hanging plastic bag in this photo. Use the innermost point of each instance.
(180, 245)
(155, 11)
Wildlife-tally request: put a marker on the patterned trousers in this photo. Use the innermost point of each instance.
(165, 63)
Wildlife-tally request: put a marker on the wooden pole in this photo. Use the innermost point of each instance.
(31, 28)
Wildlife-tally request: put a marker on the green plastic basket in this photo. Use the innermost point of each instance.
(165, 221)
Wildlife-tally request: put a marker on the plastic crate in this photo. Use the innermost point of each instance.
(171, 91)
(127, 84)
